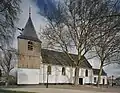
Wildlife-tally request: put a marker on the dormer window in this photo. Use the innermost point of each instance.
(30, 45)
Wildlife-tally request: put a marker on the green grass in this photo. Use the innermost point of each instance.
(10, 91)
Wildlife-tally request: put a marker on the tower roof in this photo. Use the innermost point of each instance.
(29, 32)
(29, 29)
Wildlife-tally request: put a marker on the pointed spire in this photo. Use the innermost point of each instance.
(29, 32)
(29, 11)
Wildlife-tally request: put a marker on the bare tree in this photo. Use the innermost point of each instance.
(7, 62)
(72, 26)
(106, 38)
(107, 47)
(9, 10)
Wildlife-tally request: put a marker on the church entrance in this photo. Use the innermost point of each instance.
(81, 81)
(103, 81)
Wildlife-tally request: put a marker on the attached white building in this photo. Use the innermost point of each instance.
(103, 79)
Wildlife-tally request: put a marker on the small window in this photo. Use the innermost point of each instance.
(95, 79)
(49, 70)
(63, 71)
(86, 73)
(30, 45)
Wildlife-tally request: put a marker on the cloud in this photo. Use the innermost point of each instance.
(49, 5)
(50, 9)
(113, 69)
(36, 18)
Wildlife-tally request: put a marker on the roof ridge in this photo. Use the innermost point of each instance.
(58, 51)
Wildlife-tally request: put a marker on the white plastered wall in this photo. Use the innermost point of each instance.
(27, 76)
(56, 74)
(101, 80)
(36, 76)
(57, 77)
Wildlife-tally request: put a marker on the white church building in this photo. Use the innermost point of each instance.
(34, 63)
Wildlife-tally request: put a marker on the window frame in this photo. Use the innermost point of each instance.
(30, 45)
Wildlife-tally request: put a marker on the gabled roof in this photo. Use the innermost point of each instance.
(59, 58)
(96, 72)
(118, 78)
(29, 32)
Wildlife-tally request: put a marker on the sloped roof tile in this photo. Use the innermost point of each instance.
(59, 58)
(96, 72)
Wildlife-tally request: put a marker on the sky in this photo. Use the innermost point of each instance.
(39, 22)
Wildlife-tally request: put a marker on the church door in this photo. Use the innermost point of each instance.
(103, 81)
(81, 81)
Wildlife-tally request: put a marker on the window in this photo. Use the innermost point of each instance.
(30, 45)
(49, 70)
(103, 81)
(95, 79)
(0, 73)
(86, 73)
(63, 71)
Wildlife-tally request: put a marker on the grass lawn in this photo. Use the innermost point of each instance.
(10, 91)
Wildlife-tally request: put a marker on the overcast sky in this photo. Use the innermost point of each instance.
(36, 7)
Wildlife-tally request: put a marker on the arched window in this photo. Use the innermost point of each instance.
(103, 81)
(0, 73)
(95, 79)
(86, 73)
(63, 71)
(30, 45)
(49, 70)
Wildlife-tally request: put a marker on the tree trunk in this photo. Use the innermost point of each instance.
(76, 77)
(99, 75)
(7, 80)
(6, 84)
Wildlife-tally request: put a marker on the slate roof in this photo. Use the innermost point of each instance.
(118, 78)
(59, 58)
(96, 72)
(29, 32)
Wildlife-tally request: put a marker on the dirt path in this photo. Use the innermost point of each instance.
(66, 89)
(55, 90)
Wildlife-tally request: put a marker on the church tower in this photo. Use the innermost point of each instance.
(29, 50)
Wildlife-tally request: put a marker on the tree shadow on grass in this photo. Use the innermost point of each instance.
(10, 91)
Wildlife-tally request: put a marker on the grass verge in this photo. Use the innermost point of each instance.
(10, 91)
